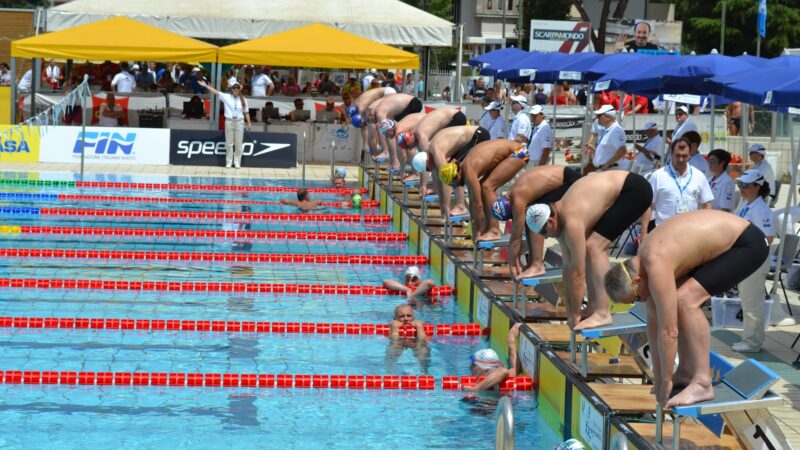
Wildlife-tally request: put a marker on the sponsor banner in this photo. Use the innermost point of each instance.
(646, 36)
(106, 145)
(560, 36)
(207, 148)
(20, 145)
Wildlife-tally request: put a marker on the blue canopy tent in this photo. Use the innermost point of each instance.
(638, 76)
(608, 64)
(570, 68)
(489, 62)
(524, 69)
(755, 60)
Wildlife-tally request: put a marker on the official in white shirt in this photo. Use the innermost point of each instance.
(722, 185)
(649, 152)
(493, 121)
(262, 85)
(752, 290)
(696, 159)
(758, 155)
(611, 145)
(541, 138)
(678, 187)
(236, 113)
(123, 82)
(684, 123)
(521, 125)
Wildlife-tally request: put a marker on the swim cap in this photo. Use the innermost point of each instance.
(501, 209)
(356, 120)
(486, 359)
(406, 139)
(351, 110)
(355, 200)
(570, 444)
(385, 125)
(536, 216)
(420, 162)
(412, 271)
(340, 172)
(448, 172)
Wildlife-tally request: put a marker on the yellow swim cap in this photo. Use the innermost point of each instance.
(448, 172)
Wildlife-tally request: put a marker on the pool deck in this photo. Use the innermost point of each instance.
(777, 353)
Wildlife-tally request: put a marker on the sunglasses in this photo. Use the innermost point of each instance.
(412, 277)
(236, 87)
(743, 185)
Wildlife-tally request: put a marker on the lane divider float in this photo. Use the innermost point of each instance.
(204, 233)
(235, 326)
(21, 196)
(254, 380)
(202, 286)
(412, 260)
(169, 187)
(139, 213)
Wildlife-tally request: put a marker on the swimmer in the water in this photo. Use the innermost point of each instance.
(303, 202)
(401, 337)
(413, 285)
(338, 178)
(486, 363)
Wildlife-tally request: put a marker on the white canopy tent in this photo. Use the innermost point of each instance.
(390, 22)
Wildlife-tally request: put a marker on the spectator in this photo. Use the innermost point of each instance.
(684, 125)
(650, 151)
(542, 139)
(413, 285)
(347, 100)
(610, 148)
(493, 121)
(485, 363)
(52, 75)
(409, 87)
(348, 87)
(110, 113)
(500, 92)
(298, 106)
(366, 82)
(326, 86)
(390, 82)
(277, 81)
(492, 95)
(123, 82)
(262, 83)
(193, 81)
(236, 113)
(291, 88)
(521, 124)
(145, 79)
(5, 75)
(540, 98)
(308, 89)
(198, 103)
(318, 80)
(721, 183)
(477, 91)
(697, 160)
(420, 87)
(446, 96)
(73, 113)
(757, 154)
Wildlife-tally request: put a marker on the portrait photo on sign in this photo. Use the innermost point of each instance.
(641, 35)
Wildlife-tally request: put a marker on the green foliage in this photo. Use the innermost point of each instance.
(542, 10)
(24, 4)
(702, 23)
(439, 8)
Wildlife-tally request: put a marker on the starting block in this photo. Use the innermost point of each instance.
(482, 246)
(551, 276)
(425, 200)
(743, 388)
(450, 222)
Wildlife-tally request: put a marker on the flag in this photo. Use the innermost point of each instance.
(762, 18)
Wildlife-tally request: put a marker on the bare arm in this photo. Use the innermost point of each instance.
(665, 295)
(545, 156)
(644, 222)
(522, 139)
(423, 287)
(475, 200)
(706, 205)
(206, 85)
(618, 155)
(496, 376)
(395, 286)
(647, 153)
(515, 243)
(576, 242)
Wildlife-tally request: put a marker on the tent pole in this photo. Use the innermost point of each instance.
(555, 120)
(14, 92)
(304, 158)
(633, 124)
(745, 131)
(664, 148)
(333, 151)
(507, 108)
(214, 102)
(36, 80)
(457, 88)
(425, 86)
(211, 106)
(786, 208)
(712, 136)
(83, 126)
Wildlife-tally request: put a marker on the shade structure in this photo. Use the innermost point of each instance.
(787, 94)
(570, 68)
(318, 45)
(525, 68)
(638, 76)
(750, 86)
(685, 77)
(609, 63)
(117, 38)
(492, 61)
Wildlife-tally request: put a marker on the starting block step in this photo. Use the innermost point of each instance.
(544, 311)
(626, 399)
(553, 333)
(693, 436)
(491, 258)
(495, 272)
(600, 365)
(632, 321)
(504, 288)
(549, 277)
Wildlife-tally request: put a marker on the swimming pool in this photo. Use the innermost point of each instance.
(47, 416)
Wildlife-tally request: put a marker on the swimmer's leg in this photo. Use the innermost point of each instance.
(598, 313)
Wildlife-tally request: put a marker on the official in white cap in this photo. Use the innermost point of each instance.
(758, 155)
(521, 125)
(542, 139)
(610, 148)
(493, 121)
(236, 114)
(486, 363)
(684, 125)
(649, 152)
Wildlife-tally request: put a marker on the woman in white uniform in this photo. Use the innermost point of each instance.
(754, 189)
(236, 113)
(721, 183)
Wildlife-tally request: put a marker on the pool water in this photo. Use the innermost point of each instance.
(49, 416)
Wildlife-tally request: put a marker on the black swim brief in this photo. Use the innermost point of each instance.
(458, 120)
(633, 200)
(727, 270)
(570, 176)
(413, 107)
(737, 122)
(480, 135)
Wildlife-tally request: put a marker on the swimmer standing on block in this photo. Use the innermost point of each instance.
(486, 363)
(303, 202)
(540, 184)
(450, 145)
(681, 263)
(593, 212)
(426, 129)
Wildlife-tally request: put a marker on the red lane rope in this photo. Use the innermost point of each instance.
(128, 213)
(235, 326)
(225, 234)
(206, 187)
(198, 286)
(209, 256)
(281, 380)
(119, 199)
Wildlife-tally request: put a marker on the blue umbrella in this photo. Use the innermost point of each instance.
(567, 69)
(608, 64)
(787, 94)
(488, 61)
(784, 61)
(754, 60)
(638, 76)
(749, 86)
(523, 68)
(684, 78)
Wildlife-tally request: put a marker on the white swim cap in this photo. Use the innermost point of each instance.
(412, 271)
(536, 216)
(486, 359)
(420, 162)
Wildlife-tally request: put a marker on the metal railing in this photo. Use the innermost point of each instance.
(504, 430)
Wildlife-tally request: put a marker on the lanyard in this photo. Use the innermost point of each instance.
(743, 212)
(675, 179)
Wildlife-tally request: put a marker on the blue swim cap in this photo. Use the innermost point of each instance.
(351, 110)
(501, 208)
(356, 120)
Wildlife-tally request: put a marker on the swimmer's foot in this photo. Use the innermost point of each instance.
(489, 236)
(412, 177)
(458, 211)
(533, 271)
(695, 392)
(594, 321)
(379, 156)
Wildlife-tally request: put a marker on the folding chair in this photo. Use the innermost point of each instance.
(787, 257)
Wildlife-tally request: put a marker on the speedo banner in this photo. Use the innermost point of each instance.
(207, 148)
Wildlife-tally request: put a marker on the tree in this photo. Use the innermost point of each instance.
(702, 25)
(540, 9)
(24, 4)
